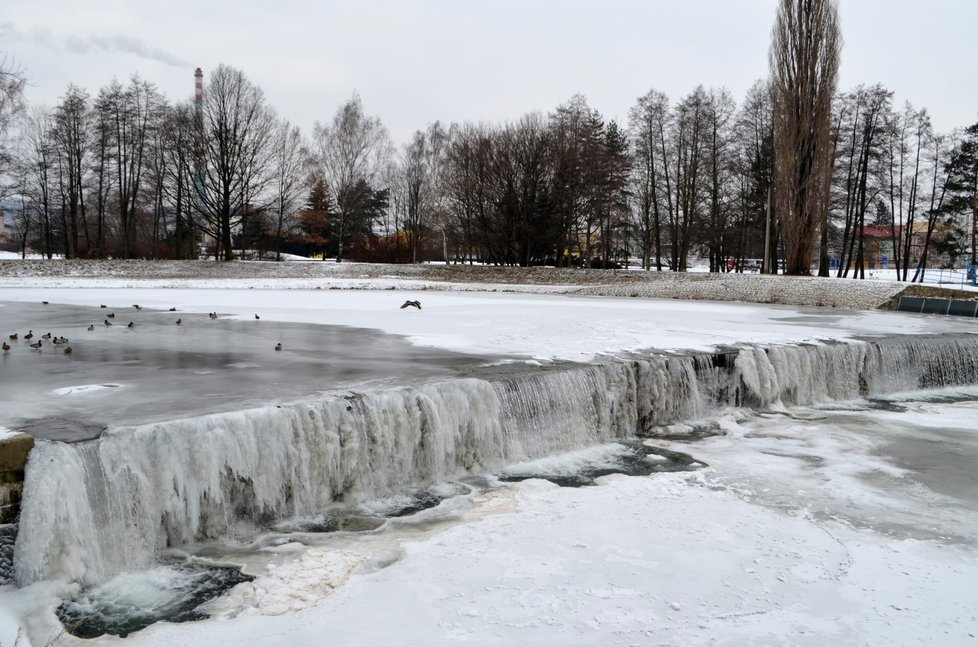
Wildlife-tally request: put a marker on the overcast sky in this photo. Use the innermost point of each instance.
(417, 61)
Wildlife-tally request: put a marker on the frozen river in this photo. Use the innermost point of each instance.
(155, 370)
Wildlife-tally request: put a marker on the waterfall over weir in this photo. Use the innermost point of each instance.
(97, 508)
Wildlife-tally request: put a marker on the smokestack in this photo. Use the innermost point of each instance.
(199, 89)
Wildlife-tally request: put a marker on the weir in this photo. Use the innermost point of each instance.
(96, 508)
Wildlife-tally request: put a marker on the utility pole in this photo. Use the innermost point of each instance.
(766, 265)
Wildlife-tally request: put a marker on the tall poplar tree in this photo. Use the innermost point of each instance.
(804, 60)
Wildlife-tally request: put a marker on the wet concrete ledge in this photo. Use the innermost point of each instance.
(14, 450)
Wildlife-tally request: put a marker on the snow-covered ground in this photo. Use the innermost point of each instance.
(846, 526)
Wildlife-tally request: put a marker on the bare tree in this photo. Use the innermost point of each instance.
(70, 137)
(134, 115)
(690, 136)
(647, 121)
(421, 171)
(467, 188)
(352, 152)
(754, 169)
(804, 60)
(290, 186)
(230, 167)
(37, 161)
(11, 107)
(719, 155)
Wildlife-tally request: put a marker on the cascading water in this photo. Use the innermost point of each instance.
(94, 509)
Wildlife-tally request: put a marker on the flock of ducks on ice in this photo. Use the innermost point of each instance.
(62, 342)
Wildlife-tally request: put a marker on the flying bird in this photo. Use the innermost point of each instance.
(131, 325)
(278, 346)
(414, 304)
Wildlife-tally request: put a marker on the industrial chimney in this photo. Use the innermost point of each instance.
(199, 90)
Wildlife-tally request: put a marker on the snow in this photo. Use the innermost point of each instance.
(806, 528)
(541, 327)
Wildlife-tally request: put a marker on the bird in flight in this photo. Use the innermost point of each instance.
(409, 303)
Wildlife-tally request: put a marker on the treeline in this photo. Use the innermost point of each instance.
(127, 173)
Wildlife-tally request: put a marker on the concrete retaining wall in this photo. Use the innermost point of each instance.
(14, 449)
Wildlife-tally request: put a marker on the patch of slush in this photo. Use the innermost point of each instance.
(82, 389)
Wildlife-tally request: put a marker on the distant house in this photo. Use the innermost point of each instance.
(878, 248)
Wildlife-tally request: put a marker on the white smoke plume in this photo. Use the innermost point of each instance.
(81, 44)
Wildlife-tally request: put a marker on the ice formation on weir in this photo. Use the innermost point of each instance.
(97, 508)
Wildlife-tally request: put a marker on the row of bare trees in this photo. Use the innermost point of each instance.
(128, 173)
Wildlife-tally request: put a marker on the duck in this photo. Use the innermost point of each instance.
(103, 306)
(179, 321)
(412, 304)
(60, 341)
(131, 325)
(212, 315)
(36, 345)
(6, 347)
(46, 335)
(278, 346)
(108, 323)
(13, 337)
(257, 317)
(44, 303)
(29, 336)
(111, 315)
(137, 306)
(173, 309)
(68, 350)
(91, 327)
